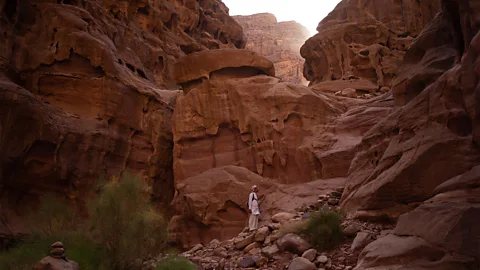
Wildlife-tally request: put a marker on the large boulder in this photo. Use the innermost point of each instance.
(293, 243)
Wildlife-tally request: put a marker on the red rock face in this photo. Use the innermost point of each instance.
(426, 152)
(81, 90)
(361, 43)
(233, 116)
(279, 42)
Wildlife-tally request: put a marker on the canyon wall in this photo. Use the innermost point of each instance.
(82, 92)
(279, 42)
(361, 43)
(426, 153)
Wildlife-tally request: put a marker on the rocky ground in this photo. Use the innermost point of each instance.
(277, 246)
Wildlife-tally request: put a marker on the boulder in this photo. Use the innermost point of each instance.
(352, 229)
(361, 240)
(310, 254)
(293, 243)
(248, 261)
(251, 246)
(300, 263)
(322, 259)
(261, 234)
(282, 217)
(269, 251)
(242, 242)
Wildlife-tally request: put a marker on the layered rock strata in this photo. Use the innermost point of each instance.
(361, 43)
(279, 42)
(81, 92)
(426, 152)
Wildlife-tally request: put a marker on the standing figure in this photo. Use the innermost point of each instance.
(253, 209)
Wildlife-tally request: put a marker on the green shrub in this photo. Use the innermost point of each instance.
(323, 229)
(122, 230)
(125, 223)
(175, 263)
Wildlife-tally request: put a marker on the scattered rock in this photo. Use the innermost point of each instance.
(248, 261)
(301, 264)
(310, 254)
(214, 243)
(322, 259)
(282, 217)
(220, 252)
(270, 251)
(261, 234)
(252, 246)
(352, 229)
(293, 243)
(361, 240)
(242, 242)
(196, 248)
(262, 261)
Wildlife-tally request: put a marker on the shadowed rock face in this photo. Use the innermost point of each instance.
(361, 43)
(80, 90)
(280, 42)
(426, 152)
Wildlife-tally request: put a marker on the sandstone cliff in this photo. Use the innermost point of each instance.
(81, 91)
(361, 43)
(279, 42)
(426, 152)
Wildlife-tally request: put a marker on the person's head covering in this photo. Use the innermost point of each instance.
(254, 187)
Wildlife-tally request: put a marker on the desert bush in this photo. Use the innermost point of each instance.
(323, 229)
(121, 231)
(175, 263)
(125, 223)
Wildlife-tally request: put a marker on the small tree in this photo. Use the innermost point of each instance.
(125, 223)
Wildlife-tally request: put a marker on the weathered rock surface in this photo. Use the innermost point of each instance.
(280, 42)
(293, 243)
(361, 43)
(278, 130)
(404, 157)
(432, 138)
(213, 204)
(81, 90)
(255, 122)
(301, 264)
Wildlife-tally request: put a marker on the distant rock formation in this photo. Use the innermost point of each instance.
(361, 44)
(280, 42)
